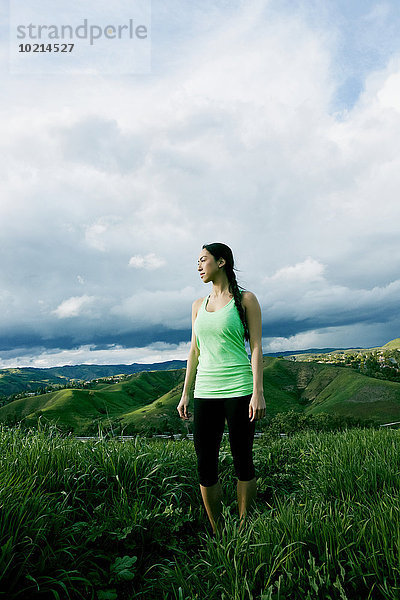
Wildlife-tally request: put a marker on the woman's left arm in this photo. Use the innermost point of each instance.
(253, 316)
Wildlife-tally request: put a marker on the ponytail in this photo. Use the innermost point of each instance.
(237, 294)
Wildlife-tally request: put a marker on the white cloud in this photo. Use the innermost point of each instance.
(114, 354)
(72, 307)
(389, 95)
(300, 341)
(149, 261)
(349, 336)
(302, 293)
(307, 271)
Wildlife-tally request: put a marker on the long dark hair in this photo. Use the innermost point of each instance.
(219, 250)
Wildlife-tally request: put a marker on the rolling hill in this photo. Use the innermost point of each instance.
(30, 379)
(337, 390)
(392, 345)
(16, 380)
(148, 400)
(80, 410)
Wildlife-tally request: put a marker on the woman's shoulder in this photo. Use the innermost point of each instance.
(196, 304)
(248, 298)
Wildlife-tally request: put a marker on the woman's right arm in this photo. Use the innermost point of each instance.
(191, 366)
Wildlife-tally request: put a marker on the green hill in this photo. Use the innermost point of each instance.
(23, 379)
(314, 388)
(393, 345)
(14, 381)
(30, 379)
(148, 400)
(342, 391)
(89, 372)
(80, 410)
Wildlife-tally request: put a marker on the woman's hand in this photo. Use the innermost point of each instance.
(182, 408)
(257, 406)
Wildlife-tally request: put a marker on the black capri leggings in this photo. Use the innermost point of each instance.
(208, 427)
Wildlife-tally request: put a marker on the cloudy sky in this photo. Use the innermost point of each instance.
(272, 126)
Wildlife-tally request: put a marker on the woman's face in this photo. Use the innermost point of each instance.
(207, 266)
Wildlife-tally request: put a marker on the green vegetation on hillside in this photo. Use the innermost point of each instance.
(82, 411)
(146, 402)
(380, 363)
(28, 379)
(15, 381)
(393, 344)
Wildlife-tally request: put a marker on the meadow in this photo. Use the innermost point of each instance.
(113, 520)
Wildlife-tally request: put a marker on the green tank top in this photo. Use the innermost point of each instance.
(224, 369)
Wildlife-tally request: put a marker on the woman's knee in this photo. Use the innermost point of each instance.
(244, 468)
(243, 462)
(208, 481)
(207, 468)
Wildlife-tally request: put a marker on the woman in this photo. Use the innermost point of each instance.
(227, 385)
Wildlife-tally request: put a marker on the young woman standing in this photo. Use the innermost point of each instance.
(227, 385)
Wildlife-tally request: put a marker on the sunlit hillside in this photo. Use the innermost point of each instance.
(148, 400)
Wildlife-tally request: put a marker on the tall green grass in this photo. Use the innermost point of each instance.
(110, 520)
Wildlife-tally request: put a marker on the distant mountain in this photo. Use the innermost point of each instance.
(89, 372)
(14, 381)
(308, 351)
(148, 400)
(392, 345)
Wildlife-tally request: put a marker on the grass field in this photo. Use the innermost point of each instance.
(111, 520)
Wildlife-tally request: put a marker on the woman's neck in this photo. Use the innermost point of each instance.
(220, 286)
